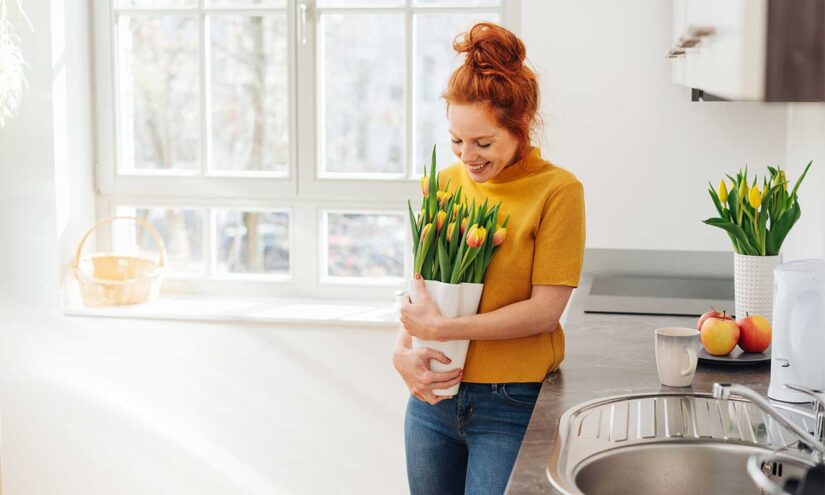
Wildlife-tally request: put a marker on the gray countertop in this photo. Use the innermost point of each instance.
(606, 355)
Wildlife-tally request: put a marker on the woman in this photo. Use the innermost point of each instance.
(468, 443)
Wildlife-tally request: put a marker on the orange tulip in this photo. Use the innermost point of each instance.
(440, 218)
(476, 236)
(463, 226)
(499, 235)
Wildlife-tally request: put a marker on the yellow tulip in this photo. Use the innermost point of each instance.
(426, 230)
(783, 180)
(476, 236)
(442, 197)
(425, 185)
(440, 218)
(755, 197)
(450, 229)
(723, 192)
(743, 190)
(499, 236)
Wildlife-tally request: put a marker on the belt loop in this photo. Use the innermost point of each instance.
(494, 386)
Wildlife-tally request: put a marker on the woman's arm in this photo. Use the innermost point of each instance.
(536, 315)
(403, 341)
(539, 314)
(414, 367)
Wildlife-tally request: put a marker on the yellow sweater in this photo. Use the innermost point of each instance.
(544, 246)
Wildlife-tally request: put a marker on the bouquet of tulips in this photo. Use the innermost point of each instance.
(462, 251)
(453, 244)
(756, 220)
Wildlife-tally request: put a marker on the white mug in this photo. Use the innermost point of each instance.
(677, 351)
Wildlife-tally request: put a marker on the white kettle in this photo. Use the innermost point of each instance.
(798, 348)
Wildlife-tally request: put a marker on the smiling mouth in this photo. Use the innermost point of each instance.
(477, 168)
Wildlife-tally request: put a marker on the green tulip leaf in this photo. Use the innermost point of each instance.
(801, 178)
(734, 230)
(414, 229)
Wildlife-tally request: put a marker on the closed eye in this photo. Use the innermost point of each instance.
(484, 145)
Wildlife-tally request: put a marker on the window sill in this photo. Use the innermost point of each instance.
(315, 312)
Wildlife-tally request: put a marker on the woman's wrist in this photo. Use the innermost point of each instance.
(448, 328)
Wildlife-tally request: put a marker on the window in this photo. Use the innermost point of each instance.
(274, 143)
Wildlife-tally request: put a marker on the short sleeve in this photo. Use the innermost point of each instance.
(560, 236)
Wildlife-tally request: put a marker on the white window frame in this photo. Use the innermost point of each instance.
(304, 193)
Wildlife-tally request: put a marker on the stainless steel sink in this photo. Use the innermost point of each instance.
(679, 443)
(676, 468)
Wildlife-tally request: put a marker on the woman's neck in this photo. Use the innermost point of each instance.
(517, 157)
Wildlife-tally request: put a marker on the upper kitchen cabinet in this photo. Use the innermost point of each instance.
(756, 50)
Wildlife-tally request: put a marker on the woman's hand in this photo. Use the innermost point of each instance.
(413, 366)
(422, 319)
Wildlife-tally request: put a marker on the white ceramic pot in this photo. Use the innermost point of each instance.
(753, 282)
(453, 300)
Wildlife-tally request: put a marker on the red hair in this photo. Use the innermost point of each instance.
(494, 73)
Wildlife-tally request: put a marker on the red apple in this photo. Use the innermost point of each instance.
(712, 314)
(719, 335)
(755, 333)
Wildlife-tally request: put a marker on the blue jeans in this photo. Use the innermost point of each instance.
(467, 444)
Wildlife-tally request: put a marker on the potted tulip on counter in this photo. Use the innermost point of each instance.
(453, 243)
(757, 222)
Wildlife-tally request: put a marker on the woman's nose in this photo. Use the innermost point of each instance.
(467, 154)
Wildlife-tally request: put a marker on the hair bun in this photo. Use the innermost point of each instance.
(491, 49)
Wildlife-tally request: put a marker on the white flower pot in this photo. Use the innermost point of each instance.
(753, 282)
(453, 300)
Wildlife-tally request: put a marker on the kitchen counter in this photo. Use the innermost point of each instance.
(606, 355)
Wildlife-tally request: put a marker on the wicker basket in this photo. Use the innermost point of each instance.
(111, 280)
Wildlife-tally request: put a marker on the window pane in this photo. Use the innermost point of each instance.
(365, 245)
(362, 93)
(252, 242)
(247, 3)
(457, 3)
(250, 93)
(159, 92)
(435, 60)
(359, 3)
(151, 4)
(180, 229)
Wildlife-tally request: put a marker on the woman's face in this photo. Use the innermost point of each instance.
(483, 146)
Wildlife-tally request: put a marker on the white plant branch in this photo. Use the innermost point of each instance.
(12, 64)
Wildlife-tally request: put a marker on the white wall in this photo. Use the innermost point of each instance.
(643, 150)
(806, 142)
(28, 251)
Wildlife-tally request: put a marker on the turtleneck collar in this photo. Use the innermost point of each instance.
(530, 162)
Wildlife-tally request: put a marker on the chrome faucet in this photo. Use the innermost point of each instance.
(815, 442)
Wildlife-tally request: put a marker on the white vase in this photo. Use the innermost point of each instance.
(753, 282)
(453, 300)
